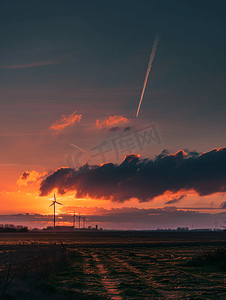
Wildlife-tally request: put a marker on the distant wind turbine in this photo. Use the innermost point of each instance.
(74, 220)
(83, 219)
(54, 204)
(79, 219)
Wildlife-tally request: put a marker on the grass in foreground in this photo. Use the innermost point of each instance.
(215, 258)
(96, 273)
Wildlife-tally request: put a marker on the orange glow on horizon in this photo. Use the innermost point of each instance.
(20, 194)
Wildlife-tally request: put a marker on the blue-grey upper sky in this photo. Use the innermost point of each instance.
(71, 52)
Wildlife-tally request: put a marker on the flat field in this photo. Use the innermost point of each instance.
(120, 265)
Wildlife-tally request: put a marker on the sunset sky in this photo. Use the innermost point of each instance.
(71, 78)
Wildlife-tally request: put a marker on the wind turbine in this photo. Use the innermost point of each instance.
(79, 218)
(74, 220)
(54, 204)
(83, 219)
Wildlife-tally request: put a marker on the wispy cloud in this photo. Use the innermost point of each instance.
(33, 177)
(223, 205)
(33, 64)
(66, 121)
(153, 218)
(111, 120)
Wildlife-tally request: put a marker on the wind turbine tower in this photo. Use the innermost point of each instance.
(74, 220)
(79, 219)
(54, 205)
(83, 219)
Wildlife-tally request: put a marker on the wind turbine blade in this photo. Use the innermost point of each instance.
(52, 204)
(59, 203)
(54, 197)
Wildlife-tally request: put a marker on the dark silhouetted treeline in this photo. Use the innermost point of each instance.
(12, 228)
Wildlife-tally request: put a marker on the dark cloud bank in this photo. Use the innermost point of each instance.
(176, 200)
(144, 179)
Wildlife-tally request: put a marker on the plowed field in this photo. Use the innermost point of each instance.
(119, 265)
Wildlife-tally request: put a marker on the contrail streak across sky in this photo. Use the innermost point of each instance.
(148, 71)
(79, 148)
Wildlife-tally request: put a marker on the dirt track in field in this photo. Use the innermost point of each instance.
(144, 273)
(126, 266)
